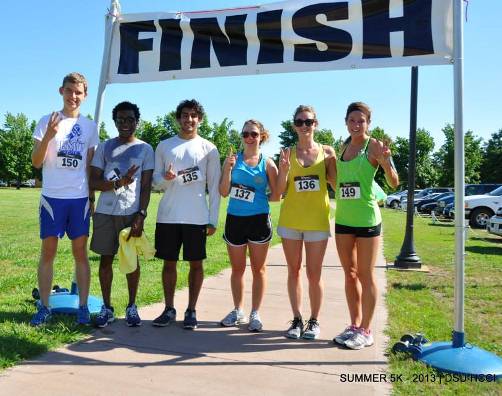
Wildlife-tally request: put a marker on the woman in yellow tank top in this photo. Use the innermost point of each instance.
(304, 171)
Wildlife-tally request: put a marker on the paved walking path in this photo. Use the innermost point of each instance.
(212, 360)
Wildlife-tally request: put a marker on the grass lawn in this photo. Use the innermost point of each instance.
(19, 254)
(424, 302)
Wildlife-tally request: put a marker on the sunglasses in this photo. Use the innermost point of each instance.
(246, 134)
(308, 122)
(128, 120)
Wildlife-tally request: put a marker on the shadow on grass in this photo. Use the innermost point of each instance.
(14, 348)
(487, 239)
(491, 250)
(408, 286)
(449, 225)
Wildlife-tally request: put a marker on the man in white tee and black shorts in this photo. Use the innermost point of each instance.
(185, 165)
(64, 143)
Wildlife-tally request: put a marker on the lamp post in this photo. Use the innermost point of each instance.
(408, 257)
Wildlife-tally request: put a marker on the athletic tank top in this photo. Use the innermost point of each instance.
(356, 201)
(306, 205)
(248, 188)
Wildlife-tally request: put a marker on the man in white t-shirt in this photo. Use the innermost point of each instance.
(64, 144)
(184, 166)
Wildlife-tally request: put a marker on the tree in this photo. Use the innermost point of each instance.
(426, 174)
(444, 158)
(103, 134)
(16, 145)
(491, 170)
(163, 128)
(220, 137)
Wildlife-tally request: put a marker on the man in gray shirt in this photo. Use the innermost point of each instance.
(122, 170)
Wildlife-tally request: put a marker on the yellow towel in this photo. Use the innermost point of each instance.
(130, 249)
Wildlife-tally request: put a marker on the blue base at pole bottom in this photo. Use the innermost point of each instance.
(465, 359)
(65, 302)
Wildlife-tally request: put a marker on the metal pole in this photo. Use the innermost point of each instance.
(110, 19)
(458, 91)
(408, 257)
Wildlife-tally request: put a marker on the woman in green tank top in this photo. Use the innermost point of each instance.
(358, 221)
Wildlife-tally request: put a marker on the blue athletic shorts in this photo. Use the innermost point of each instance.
(60, 216)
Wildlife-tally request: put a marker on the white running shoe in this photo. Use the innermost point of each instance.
(359, 340)
(234, 318)
(255, 323)
(345, 335)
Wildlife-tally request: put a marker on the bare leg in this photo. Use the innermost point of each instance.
(195, 279)
(45, 268)
(258, 256)
(293, 252)
(106, 278)
(79, 248)
(169, 278)
(314, 252)
(367, 253)
(346, 246)
(237, 255)
(132, 284)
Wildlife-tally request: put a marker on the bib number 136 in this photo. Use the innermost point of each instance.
(307, 183)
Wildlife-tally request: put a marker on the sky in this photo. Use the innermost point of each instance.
(40, 44)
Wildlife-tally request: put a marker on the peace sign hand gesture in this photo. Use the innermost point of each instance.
(382, 151)
(53, 125)
(284, 163)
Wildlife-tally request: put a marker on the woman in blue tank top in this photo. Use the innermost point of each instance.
(244, 180)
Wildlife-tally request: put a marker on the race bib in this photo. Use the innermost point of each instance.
(113, 175)
(68, 161)
(307, 183)
(242, 192)
(350, 190)
(189, 176)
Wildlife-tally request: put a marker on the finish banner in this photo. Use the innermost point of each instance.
(289, 36)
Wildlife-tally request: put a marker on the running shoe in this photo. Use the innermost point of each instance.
(255, 323)
(132, 316)
(190, 321)
(42, 316)
(83, 315)
(345, 335)
(167, 317)
(104, 317)
(295, 331)
(360, 339)
(234, 318)
(312, 330)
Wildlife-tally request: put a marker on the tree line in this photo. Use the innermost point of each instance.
(433, 168)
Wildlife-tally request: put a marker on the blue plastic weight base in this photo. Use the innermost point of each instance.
(466, 360)
(67, 303)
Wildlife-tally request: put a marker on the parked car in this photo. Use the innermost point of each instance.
(393, 200)
(442, 203)
(3, 183)
(449, 211)
(416, 201)
(28, 183)
(429, 204)
(424, 193)
(494, 226)
(479, 208)
(480, 189)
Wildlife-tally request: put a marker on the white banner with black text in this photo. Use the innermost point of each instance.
(288, 36)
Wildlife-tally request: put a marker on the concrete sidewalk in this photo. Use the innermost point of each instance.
(212, 360)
